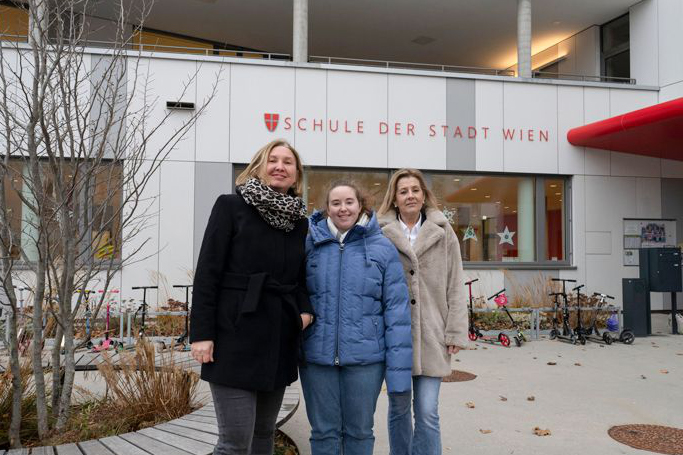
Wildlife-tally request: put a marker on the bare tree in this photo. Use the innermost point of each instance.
(77, 152)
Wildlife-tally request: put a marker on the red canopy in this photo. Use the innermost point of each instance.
(653, 131)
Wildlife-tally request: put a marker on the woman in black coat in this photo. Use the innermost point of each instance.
(250, 301)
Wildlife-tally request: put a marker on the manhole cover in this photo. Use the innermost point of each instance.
(459, 376)
(654, 438)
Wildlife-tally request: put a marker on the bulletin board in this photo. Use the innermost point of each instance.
(646, 233)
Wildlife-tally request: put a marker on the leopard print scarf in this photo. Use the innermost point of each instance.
(279, 210)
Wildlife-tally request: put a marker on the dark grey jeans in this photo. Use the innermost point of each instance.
(246, 420)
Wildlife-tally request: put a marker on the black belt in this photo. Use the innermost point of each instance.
(255, 284)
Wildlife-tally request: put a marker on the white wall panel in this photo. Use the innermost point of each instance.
(596, 107)
(353, 97)
(490, 282)
(578, 229)
(598, 242)
(649, 198)
(175, 216)
(141, 239)
(420, 102)
(158, 81)
(628, 164)
(311, 105)
(489, 99)
(254, 92)
(644, 48)
(672, 169)
(670, 29)
(671, 92)
(530, 107)
(624, 101)
(588, 51)
(617, 193)
(571, 159)
(213, 127)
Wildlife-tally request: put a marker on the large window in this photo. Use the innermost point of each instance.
(499, 219)
(98, 200)
(615, 48)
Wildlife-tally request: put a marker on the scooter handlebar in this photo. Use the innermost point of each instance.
(181, 286)
(471, 281)
(496, 294)
(578, 287)
(145, 287)
(597, 294)
(563, 279)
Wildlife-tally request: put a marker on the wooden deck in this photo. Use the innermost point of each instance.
(195, 433)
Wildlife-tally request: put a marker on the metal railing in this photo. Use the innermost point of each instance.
(388, 64)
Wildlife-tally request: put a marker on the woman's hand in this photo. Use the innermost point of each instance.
(202, 351)
(306, 320)
(453, 349)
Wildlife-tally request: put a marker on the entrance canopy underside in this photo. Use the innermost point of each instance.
(655, 131)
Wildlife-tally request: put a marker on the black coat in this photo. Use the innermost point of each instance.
(249, 291)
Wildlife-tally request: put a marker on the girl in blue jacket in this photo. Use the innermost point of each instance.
(361, 333)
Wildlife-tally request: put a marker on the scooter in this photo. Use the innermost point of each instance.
(108, 342)
(567, 333)
(626, 336)
(474, 333)
(579, 330)
(183, 341)
(143, 307)
(88, 317)
(501, 300)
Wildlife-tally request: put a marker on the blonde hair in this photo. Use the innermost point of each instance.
(257, 166)
(390, 196)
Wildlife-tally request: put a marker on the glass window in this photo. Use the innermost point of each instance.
(493, 216)
(554, 219)
(615, 47)
(105, 237)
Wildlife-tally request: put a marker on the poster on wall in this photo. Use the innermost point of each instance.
(646, 233)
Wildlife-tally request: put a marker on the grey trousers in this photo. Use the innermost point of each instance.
(246, 420)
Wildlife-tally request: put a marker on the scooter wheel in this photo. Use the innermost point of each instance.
(627, 337)
(553, 334)
(573, 339)
(582, 340)
(504, 339)
(161, 346)
(607, 338)
(472, 335)
(89, 345)
(518, 342)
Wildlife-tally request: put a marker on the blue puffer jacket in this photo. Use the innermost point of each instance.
(360, 297)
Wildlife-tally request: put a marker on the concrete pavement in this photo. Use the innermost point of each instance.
(577, 403)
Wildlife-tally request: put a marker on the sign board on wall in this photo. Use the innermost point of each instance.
(646, 233)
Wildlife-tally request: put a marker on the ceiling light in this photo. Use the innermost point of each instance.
(558, 194)
(506, 207)
(377, 184)
(423, 40)
(514, 211)
(553, 186)
(473, 189)
(456, 180)
(488, 196)
(497, 202)
(483, 217)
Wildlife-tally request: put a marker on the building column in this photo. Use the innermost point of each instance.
(300, 40)
(524, 38)
(525, 220)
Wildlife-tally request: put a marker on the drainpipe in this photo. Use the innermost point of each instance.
(300, 41)
(523, 38)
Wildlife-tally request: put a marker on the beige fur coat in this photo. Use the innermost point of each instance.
(433, 268)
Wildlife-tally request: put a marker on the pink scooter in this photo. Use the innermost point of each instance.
(108, 342)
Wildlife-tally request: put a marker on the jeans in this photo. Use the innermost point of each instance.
(246, 420)
(425, 439)
(340, 404)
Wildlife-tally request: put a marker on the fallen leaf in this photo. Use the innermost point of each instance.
(469, 404)
(541, 432)
(577, 364)
(552, 363)
(664, 371)
(484, 347)
(679, 353)
(642, 376)
(457, 360)
(655, 346)
(602, 346)
(535, 358)
(531, 398)
(502, 398)
(484, 431)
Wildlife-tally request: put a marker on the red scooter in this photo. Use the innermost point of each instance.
(475, 334)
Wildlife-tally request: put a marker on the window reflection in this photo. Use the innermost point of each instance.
(554, 219)
(493, 216)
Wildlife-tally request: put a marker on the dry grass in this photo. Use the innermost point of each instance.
(533, 294)
(142, 394)
(29, 425)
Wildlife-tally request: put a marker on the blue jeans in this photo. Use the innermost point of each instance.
(425, 439)
(340, 404)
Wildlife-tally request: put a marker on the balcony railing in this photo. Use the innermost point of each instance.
(241, 53)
